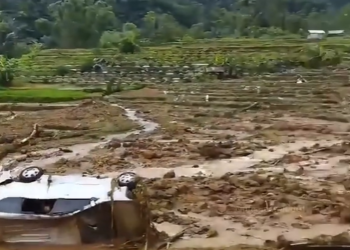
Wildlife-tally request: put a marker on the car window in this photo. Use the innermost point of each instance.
(69, 205)
(14, 205)
(11, 205)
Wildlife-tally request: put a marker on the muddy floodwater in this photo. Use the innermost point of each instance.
(227, 174)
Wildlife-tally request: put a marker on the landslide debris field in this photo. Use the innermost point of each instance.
(257, 159)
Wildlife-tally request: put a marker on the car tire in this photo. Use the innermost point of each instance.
(128, 179)
(30, 174)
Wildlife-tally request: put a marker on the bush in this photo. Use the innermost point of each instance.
(6, 78)
(62, 71)
(128, 46)
(87, 66)
(7, 71)
(110, 39)
(18, 50)
(316, 56)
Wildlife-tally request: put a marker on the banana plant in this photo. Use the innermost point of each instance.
(8, 68)
(26, 61)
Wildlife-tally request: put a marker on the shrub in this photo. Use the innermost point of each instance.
(62, 70)
(7, 71)
(87, 66)
(316, 56)
(110, 39)
(128, 46)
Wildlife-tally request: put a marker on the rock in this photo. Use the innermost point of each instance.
(301, 225)
(170, 174)
(300, 171)
(270, 244)
(217, 210)
(345, 215)
(321, 240)
(114, 143)
(288, 159)
(171, 191)
(213, 151)
(341, 239)
(282, 242)
(65, 150)
(212, 233)
(184, 210)
(148, 154)
(346, 184)
(215, 187)
(202, 205)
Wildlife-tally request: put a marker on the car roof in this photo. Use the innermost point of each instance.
(64, 187)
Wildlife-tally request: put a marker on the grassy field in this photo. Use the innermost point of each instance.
(41, 95)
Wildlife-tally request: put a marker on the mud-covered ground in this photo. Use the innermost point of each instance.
(245, 162)
(61, 124)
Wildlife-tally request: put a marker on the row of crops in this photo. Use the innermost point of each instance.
(126, 73)
(183, 63)
(160, 75)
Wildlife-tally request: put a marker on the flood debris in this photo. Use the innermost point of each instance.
(16, 145)
(301, 79)
(265, 166)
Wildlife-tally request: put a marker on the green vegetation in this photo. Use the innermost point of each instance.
(251, 55)
(41, 95)
(241, 36)
(121, 24)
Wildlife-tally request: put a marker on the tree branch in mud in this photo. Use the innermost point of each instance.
(249, 107)
(172, 239)
(11, 116)
(16, 145)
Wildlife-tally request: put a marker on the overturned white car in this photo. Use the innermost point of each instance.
(73, 209)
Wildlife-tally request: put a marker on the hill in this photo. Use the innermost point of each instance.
(90, 23)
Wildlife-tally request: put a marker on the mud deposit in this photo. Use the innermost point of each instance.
(61, 124)
(244, 168)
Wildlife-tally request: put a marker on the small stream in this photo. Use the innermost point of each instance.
(84, 149)
(215, 168)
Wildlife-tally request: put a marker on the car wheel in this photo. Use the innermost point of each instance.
(128, 179)
(30, 174)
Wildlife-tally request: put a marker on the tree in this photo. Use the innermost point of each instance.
(149, 25)
(44, 26)
(168, 29)
(80, 23)
(8, 68)
(197, 31)
(131, 29)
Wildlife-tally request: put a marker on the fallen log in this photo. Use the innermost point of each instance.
(11, 148)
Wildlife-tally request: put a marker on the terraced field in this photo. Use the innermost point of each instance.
(323, 96)
(250, 163)
(247, 51)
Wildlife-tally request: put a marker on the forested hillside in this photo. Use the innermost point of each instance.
(91, 23)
